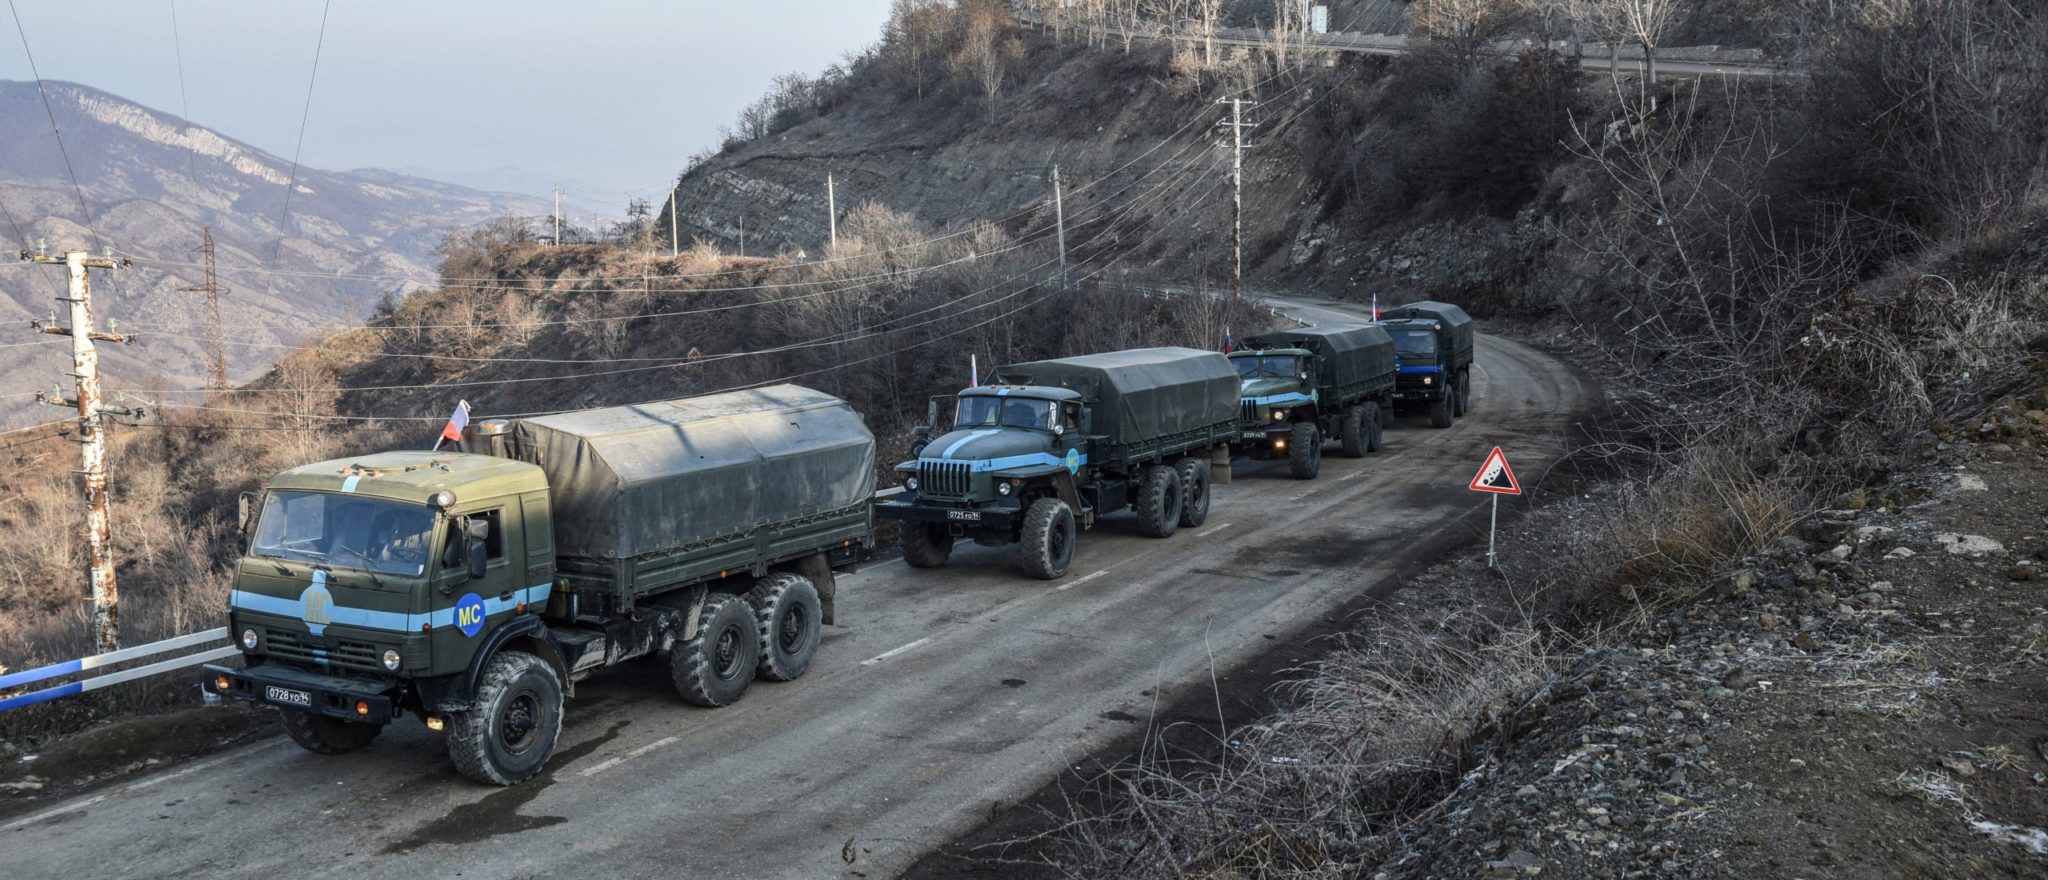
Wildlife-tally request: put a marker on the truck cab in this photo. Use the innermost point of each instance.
(1008, 446)
(1433, 345)
(1277, 391)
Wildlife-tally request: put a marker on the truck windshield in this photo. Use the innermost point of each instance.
(1009, 412)
(1415, 342)
(1259, 367)
(344, 531)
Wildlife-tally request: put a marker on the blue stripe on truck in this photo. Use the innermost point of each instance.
(392, 621)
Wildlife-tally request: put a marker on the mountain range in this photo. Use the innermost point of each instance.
(147, 184)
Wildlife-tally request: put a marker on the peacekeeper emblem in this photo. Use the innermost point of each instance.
(469, 614)
(1073, 461)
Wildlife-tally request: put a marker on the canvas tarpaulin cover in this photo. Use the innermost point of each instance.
(1144, 393)
(1346, 353)
(646, 478)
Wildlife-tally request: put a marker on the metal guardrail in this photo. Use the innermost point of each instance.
(87, 664)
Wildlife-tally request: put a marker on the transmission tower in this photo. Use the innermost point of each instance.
(216, 341)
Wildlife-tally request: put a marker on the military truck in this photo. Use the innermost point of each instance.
(474, 588)
(1049, 447)
(1433, 342)
(1299, 388)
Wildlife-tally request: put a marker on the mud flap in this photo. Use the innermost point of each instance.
(696, 614)
(1219, 466)
(818, 570)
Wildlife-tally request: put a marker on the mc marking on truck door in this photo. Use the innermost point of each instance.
(1496, 478)
(469, 614)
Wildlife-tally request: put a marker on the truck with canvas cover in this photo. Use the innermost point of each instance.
(1302, 387)
(472, 588)
(1433, 342)
(1048, 447)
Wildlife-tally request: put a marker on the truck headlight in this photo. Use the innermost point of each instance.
(391, 659)
(910, 483)
(1003, 488)
(1429, 380)
(1279, 415)
(249, 639)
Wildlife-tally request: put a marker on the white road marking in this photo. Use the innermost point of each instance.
(53, 812)
(1212, 530)
(208, 765)
(1075, 582)
(602, 766)
(1353, 475)
(1301, 496)
(893, 652)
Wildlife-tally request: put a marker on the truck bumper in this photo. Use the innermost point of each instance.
(977, 518)
(273, 684)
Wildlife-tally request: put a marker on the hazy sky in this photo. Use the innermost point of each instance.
(614, 93)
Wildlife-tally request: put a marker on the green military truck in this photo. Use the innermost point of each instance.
(473, 588)
(1433, 342)
(1051, 446)
(1299, 388)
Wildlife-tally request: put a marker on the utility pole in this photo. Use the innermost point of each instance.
(558, 216)
(674, 242)
(85, 361)
(832, 208)
(1237, 126)
(1059, 213)
(216, 342)
(743, 233)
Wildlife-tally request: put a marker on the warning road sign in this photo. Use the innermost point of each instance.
(1495, 476)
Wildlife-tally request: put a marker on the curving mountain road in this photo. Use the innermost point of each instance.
(940, 694)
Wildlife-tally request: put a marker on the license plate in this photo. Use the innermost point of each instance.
(287, 696)
(1252, 435)
(964, 515)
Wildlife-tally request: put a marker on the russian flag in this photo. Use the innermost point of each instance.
(1228, 347)
(456, 422)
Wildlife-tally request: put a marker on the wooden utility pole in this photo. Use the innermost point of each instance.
(674, 237)
(832, 208)
(216, 340)
(1059, 213)
(85, 361)
(558, 216)
(1237, 126)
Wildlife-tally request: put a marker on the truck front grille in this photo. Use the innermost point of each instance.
(944, 477)
(288, 645)
(1251, 412)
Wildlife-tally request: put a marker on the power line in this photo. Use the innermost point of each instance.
(84, 212)
(305, 114)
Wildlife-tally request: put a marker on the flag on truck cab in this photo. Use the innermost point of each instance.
(1227, 348)
(456, 423)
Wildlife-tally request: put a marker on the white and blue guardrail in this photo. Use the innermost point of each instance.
(68, 668)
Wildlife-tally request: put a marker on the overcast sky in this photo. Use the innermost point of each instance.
(614, 93)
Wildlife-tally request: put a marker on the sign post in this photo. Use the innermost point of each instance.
(1497, 479)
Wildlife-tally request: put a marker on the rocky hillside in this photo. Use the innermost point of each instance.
(150, 182)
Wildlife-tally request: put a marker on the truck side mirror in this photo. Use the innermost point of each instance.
(475, 550)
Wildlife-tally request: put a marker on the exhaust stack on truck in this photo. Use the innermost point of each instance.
(473, 588)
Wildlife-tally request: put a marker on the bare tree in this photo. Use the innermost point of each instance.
(1463, 28)
(984, 47)
(1207, 15)
(1642, 22)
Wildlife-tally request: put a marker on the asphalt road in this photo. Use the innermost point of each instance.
(941, 694)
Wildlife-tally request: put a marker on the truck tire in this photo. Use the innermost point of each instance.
(1194, 491)
(786, 611)
(1376, 427)
(1440, 409)
(324, 735)
(926, 545)
(1356, 434)
(511, 728)
(1047, 546)
(1304, 451)
(1159, 501)
(714, 669)
(1464, 393)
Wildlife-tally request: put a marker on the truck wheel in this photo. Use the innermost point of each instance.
(715, 668)
(511, 729)
(1464, 393)
(786, 612)
(926, 545)
(1159, 501)
(1376, 427)
(323, 735)
(1048, 542)
(1194, 491)
(1357, 441)
(1304, 451)
(1440, 409)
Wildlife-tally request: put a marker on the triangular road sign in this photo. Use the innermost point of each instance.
(1496, 476)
